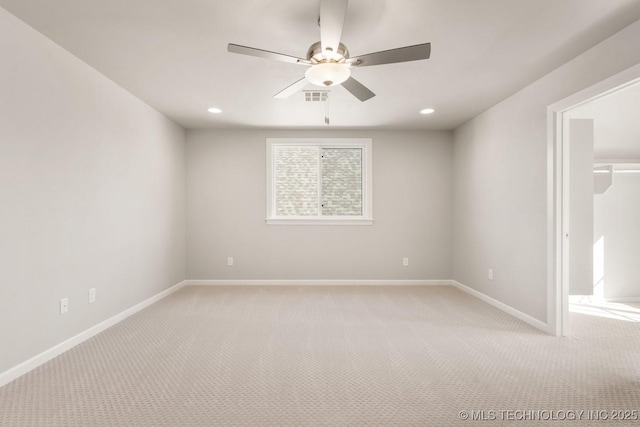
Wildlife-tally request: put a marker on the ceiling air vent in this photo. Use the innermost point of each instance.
(316, 95)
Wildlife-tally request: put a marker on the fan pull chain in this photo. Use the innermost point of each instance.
(326, 111)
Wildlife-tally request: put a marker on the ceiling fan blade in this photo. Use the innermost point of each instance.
(357, 89)
(260, 53)
(332, 13)
(291, 89)
(401, 54)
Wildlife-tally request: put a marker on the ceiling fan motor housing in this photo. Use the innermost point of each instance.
(316, 55)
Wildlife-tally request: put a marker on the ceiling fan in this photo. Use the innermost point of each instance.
(329, 61)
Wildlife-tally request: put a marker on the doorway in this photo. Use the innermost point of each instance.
(604, 145)
(564, 229)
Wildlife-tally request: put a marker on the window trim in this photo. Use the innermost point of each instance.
(366, 144)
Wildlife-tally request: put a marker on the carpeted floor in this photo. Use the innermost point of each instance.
(333, 356)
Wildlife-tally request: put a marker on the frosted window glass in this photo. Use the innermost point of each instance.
(297, 179)
(342, 181)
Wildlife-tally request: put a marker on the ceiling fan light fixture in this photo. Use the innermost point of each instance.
(329, 60)
(328, 74)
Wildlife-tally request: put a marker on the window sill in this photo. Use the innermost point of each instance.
(319, 221)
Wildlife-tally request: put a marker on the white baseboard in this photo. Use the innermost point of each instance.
(331, 282)
(21, 369)
(504, 307)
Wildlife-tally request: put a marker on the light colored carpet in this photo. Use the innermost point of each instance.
(278, 356)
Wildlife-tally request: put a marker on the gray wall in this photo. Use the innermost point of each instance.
(92, 195)
(500, 180)
(226, 212)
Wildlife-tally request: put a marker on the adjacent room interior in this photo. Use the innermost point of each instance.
(228, 213)
(613, 227)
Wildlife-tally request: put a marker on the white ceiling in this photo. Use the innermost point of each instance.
(616, 123)
(172, 54)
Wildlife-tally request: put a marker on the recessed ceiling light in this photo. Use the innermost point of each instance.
(427, 111)
(214, 110)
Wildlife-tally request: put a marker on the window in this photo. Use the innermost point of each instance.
(319, 181)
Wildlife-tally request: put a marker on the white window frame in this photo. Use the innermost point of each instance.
(366, 144)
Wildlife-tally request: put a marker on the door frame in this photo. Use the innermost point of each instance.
(558, 225)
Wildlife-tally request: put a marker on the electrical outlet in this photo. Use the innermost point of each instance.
(230, 261)
(92, 295)
(490, 274)
(64, 305)
(405, 262)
